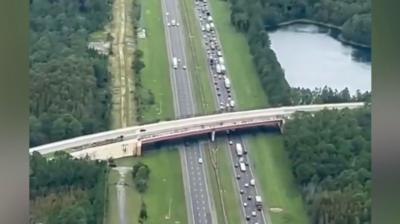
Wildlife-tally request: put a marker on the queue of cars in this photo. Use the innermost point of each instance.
(251, 202)
(215, 59)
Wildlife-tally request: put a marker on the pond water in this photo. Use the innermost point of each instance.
(312, 57)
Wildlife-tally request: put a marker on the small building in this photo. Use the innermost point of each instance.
(142, 33)
(100, 47)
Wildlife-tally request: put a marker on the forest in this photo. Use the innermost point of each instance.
(66, 190)
(331, 162)
(352, 16)
(69, 94)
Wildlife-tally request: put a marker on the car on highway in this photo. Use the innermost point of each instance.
(184, 67)
(244, 204)
(241, 191)
(254, 213)
(247, 217)
(252, 182)
(246, 185)
(238, 176)
(236, 165)
(249, 197)
(231, 142)
(200, 160)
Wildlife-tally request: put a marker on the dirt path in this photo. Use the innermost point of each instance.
(121, 185)
(123, 106)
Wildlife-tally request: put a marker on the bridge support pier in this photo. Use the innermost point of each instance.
(138, 150)
(280, 125)
(212, 136)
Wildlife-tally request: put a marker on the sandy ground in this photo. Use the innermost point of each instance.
(123, 107)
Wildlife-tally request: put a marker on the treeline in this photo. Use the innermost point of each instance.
(144, 98)
(69, 94)
(331, 161)
(354, 16)
(66, 190)
(304, 96)
(247, 16)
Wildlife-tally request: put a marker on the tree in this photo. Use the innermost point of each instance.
(66, 127)
(72, 215)
(143, 213)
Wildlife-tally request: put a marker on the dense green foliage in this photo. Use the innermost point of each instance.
(143, 213)
(79, 181)
(69, 94)
(331, 160)
(354, 16)
(302, 96)
(141, 174)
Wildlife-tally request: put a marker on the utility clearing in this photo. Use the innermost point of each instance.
(120, 60)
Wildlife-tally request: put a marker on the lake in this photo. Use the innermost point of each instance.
(312, 57)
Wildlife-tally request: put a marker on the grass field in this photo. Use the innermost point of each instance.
(164, 198)
(245, 82)
(272, 167)
(155, 76)
(197, 59)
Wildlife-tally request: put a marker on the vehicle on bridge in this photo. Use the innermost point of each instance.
(242, 167)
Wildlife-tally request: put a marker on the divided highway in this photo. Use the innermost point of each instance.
(197, 195)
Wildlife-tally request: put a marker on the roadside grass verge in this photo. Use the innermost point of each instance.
(245, 82)
(165, 199)
(197, 60)
(272, 167)
(155, 76)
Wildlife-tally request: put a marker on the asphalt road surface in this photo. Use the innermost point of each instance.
(197, 195)
(224, 99)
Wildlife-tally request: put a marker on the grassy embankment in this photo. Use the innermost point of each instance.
(267, 151)
(165, 196)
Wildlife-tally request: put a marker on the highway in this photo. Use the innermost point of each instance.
(197, 195)
(224, 92)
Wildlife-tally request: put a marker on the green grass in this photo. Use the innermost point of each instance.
(272, 167)
(155, 76)
(197, 59)
(226, 175)
(245, 82)
(165, 195)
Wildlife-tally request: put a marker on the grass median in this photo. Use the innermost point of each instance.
(155, 76)
(197, 59)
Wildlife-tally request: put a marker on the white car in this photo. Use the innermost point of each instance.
(184, 67)
(253, 213)
(177, 24)
(246, 185)
(245, 204)
(200, 161)
(168, 24)
(167, 13)
(230, 142)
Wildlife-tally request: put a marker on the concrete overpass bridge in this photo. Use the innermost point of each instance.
(128, 141)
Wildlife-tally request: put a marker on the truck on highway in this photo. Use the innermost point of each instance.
(212, 26)
(175, 62)
(258, 202)
(242, 167)
(227, 83)
(232, 103)
(239, 150)
(210, 19)
(208, 27)
(223, 69)
(218, 68)
(221, 60)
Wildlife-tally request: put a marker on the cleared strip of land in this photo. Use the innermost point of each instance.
(122, 87)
